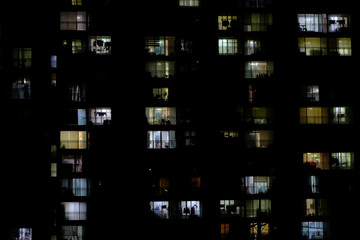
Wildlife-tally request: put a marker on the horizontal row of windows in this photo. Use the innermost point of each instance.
(90, 116)
(252, 115)
(310, 46)
(183, 209)
(248, 22)
(309, 230)
(326, 161)
(248, 184)
(325, 115)
(166, 139)
(167, 69)
(324, 23)
(245, 3)
(260, 115)
(320, 46)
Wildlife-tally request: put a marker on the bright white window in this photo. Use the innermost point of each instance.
(100, 44)
(100, 115)
(74, 211)
(161, 139)
(160, 208)
(75, 187)
(191, 208)
(257, 184)
(259, 69)
(228, 46)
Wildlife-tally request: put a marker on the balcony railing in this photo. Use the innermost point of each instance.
(73, 144)
(162, 121)
(258, 73)
(164, 144)
(259, 143)
(75, 216)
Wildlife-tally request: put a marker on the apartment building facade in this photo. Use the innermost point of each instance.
(190, 120)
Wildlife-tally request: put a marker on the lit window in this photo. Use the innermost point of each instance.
(77, 93)
(77, 46)
(160, 209)
(258, 207)
(76, 2)
(161, 94)
(72, 163)
(187, 46)
(53, 79)
(161, 186)
(73, 139)
(22, 57)
(21, 89)
(74, 211)
(75, 187)
(224, 230)
(189, 3)
(160, 69)
(257, 184)
(75, 21)
(315, 230)
(314, 115)
(316, 207)
(100, 116)
(257, 228)
(20, 233)
(342, 160)
(195, 183)
(161, 139)
(311, 93)
(252, 46)
(161, 115)
(100, 45)
(313, 184)
(312, 22)
(340, 46)
(316, 160)
(258, 115)
(259, 69)
(73, 232)
(259, 138)
(232, 207)
(53, 170)
(230, 137)
(228, 46)
(339, 22)
(227, 22)
(340, 115)
(313, 46)
(191, 208)
(258, 22)
(160, 45)
(53, 61)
